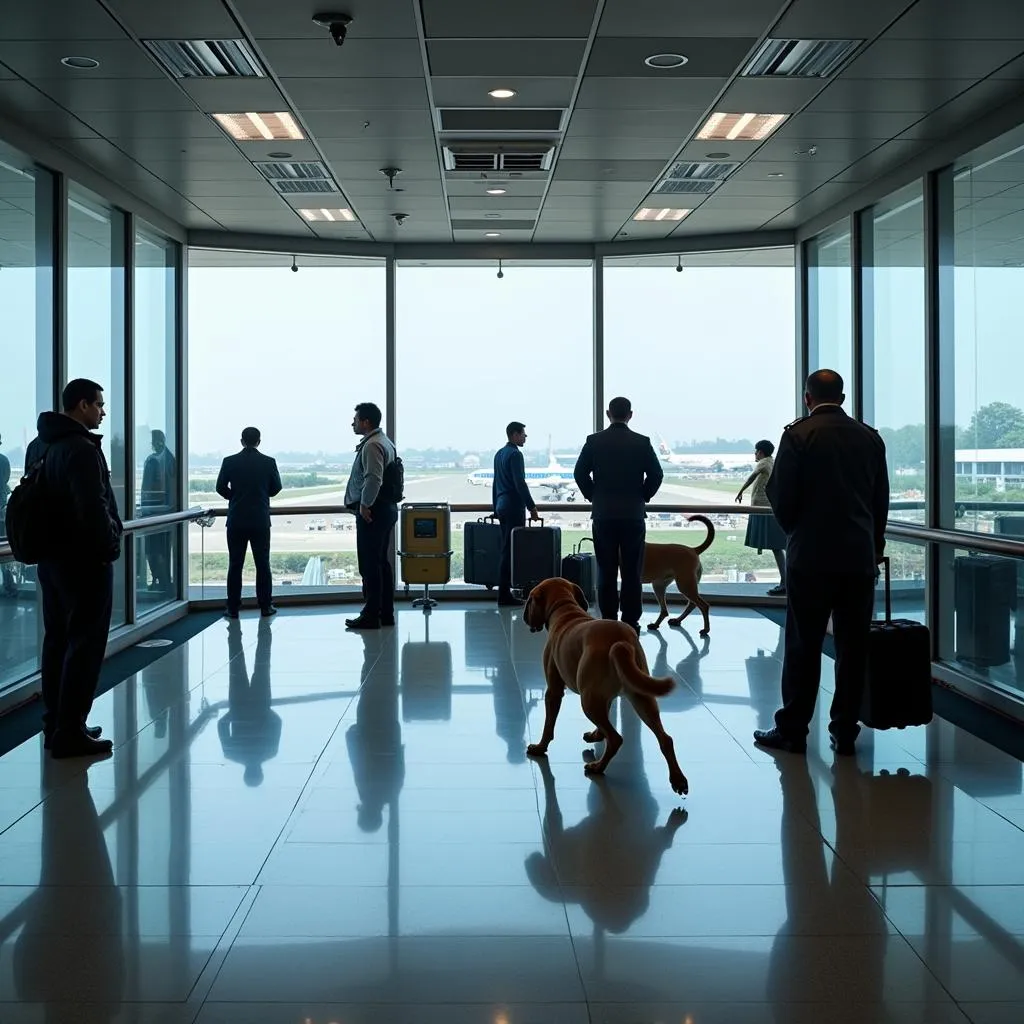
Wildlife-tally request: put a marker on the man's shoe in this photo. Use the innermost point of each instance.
(94, 732)
(775, 740)
(844, 748)
(779, 591)
(508, 601)
(230, 615)
(361, 622)
(77, 744)
(268, 611)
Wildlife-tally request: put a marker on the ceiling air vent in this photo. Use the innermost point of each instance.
(489, 156)
(690, 186)
(206, 58)
(487, 120)
(801, 58)
(703, 170)
(295, 178)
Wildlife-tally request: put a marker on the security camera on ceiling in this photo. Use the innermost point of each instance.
(336, 24)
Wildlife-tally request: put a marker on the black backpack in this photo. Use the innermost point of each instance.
(392, 486)
(27, 516)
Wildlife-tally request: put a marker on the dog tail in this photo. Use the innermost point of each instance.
(710, 538)
(632, 676)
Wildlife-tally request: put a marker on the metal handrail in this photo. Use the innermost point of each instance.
(566, 507)
(145, 523)
(967, 539)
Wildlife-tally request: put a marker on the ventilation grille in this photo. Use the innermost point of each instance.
(206, 58)
(801, 58)
(703, 170)
(488, 120)
(483, 157)
(294, 178)
(689, 187)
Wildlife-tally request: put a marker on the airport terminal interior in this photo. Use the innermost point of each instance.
(262, 212)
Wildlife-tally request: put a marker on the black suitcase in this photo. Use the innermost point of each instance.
(481, 552)
(898, 689)
(536, 555)
(985, 590)
(581, 569)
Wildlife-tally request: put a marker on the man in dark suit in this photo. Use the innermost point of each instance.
(511, 498)
(830, 493)
(247, 481)
(619, 472)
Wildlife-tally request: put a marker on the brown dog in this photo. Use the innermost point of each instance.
(664, 563)
(599, 660)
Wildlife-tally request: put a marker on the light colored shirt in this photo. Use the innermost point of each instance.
(375, 451)
(763, 469)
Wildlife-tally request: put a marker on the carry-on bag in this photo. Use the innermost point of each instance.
(536, 555)
(581, 568)
(481, 552)
(898, 689)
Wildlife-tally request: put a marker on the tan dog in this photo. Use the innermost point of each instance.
(665, 563)
(599, 660)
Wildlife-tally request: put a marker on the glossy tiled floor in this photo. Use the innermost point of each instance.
(300, 825)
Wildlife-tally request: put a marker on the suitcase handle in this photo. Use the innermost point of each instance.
(579, 547)
(888, 589)
(488, 519)
(534, 522)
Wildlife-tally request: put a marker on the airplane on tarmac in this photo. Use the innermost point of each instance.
(703, 462)
(556, 482)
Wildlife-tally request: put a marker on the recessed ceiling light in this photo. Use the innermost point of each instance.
(501, 94)
(496, 191)
(252, 127)
(80, 63)
(492, 234)
(720, 155)
(493, 216)
(279, 154)
(329, 215)
(664, 213)
(776, 174)
(740, 127)
(666, 60)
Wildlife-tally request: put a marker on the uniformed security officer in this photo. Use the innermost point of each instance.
(830, 493)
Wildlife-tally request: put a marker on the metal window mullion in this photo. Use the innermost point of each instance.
(390, 368)
(855, 386)
(864, 340)
(60, 287)
(598, 343)
(804, 320)
(130, 483)
(180, 393)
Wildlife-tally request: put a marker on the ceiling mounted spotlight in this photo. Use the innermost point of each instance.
(400, 218)
(336, 24)
(679, 265)
(496, 191)
(295, 265)
(809, 151)
(391, 173)
(501, 273)
(80, 63)
(501, 94)
(666, 61)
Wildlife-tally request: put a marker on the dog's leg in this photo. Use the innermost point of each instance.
(647, 708)
(597, 710)
(594, 736)
(703, 606)
(660, 588)
(552, 703)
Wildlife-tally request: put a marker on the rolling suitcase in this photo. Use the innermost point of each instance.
(581, 569)
(536, 555)
(985, 592)
(481, 552)
(898, 689)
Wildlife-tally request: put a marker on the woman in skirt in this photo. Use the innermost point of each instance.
(763, 531)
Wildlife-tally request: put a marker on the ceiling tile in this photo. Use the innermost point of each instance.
(523, 187)
(956, 19)
(78, 19)
(503, 206)
(55, 123)
(213, 189)
(608, 170)
(369, 170)
(623, 57)
(144, 124)
(383, 153)
(183, 19)
(530, 92)
(362, 94)
(889, 94)
(815, 19)
(769, 96)
(228, 95)
(683, 95)
(881, 161)
(379, 125)
(483, 58)
(372, 19)
(830, 150)
(524, 19)
(358, 58)
(921, 58)
(119, 58)
(125, 96)
(658, 18)
(604, 149)
(845, 124)
(638, 124)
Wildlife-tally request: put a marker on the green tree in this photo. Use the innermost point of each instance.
(905, 445)
(996, 425)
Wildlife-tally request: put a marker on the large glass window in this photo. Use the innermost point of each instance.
(96, 330)
(476, 351)
(894, 347)
(988, 195)
(291, 354)
(156, 454)
(26, 298)
(707, 358)
(830, 301)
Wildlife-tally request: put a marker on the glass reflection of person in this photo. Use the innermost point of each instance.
(250, 732)
(509, 710)
(77, 907)
(764, 672)
(7, 587)
(763, 530)
(686, 695)
(155, 498)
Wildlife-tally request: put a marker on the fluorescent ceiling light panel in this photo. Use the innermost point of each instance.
(801, 58)
(252, 127)
(206, 58)
(664, 213)
(328, 215)
(740, 127)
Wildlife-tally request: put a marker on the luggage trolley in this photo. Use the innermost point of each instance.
(426, 548)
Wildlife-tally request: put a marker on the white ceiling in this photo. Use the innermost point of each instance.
(927, 68)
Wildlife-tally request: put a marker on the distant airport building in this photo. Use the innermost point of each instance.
(1002, 467)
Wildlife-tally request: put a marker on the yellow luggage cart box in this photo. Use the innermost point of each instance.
(426, 544)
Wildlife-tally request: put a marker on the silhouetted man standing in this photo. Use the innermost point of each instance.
(76, 574)
(511, 498)
(156, 498)
(619, 472)
(376, 515)
(247, 481)
(7, 586)
(830, 493)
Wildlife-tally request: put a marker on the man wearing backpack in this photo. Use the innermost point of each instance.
(76, 566)
(373, 493)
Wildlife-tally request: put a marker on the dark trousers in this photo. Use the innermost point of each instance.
(850, 598)
(619, 547)
(158, 555)
(257, 538)
(77, 602)
(508, 521)
(373, 548)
